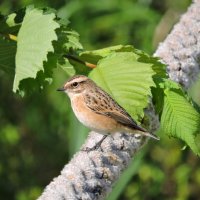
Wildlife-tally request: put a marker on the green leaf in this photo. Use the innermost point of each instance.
(73, 40)
(180, 119)
(169, 84)
(157, 66)
(67, 67)
(8, 23)
(80, 68)
(68, 42)
(7, 55)
(158, 99)
(126, 80)
(78, 61)
(34, 42)
(96, 55)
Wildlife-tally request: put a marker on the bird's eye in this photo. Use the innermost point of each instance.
(75, 84)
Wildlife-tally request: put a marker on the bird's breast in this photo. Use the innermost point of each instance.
(91, 119)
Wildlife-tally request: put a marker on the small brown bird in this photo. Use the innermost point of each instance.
(97, 110)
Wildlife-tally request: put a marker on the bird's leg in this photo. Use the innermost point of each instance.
(96, 146)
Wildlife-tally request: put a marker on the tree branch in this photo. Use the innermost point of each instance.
(181, 49)
(90, 176)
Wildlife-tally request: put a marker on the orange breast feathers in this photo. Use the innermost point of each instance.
(91, 119)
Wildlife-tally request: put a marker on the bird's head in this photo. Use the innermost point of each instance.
(76, 85)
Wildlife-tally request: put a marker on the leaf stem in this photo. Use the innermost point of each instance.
(74, 58)
(90, 65)
(12, 37)
(9, 36)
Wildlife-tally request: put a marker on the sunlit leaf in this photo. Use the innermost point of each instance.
(67, 67)
(10, 24)
(179, 118)
(34, 42)
(126, 80)
(96, 55)
(73, 40)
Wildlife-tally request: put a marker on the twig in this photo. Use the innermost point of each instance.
(76, 59)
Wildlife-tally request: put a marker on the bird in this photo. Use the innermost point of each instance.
(97, 110)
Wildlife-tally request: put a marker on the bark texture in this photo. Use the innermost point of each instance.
(90, 175)
(181, 49)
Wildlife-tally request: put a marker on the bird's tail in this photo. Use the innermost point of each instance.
(151, 135)
(142, 131)
(146, 133)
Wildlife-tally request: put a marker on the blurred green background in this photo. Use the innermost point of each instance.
(39, 134)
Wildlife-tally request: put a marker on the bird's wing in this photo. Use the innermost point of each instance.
(103, 104)
(125, 120)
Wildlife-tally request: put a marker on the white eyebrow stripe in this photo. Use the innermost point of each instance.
(78, 79)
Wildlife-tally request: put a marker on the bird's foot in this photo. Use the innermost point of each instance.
(96, 146)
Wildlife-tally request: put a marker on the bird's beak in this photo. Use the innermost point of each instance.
(61, 89)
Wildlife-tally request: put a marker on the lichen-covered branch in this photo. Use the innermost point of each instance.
(90, 175)
(181, 49)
